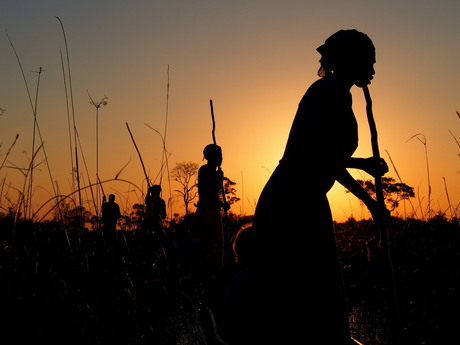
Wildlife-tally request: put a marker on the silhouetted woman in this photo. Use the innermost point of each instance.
(302, 295)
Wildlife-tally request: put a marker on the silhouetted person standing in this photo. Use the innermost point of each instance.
(210, 235)
(110, 215)
(155, 209)
(209, 211)
(298, 261)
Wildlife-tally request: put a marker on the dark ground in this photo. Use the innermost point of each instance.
(64, 286)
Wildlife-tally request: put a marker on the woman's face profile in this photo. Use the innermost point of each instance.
(366, 74)
(363, 71)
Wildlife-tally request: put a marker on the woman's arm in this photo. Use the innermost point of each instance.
(346, 180)
(373, 166)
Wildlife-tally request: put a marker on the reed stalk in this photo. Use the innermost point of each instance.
(39, 72)
(401, 181)
(97, 105)
(165, 155)
(8, 152)
(69, 124)
(450, 208)
(163, 160)
(422, 139)
(2, 186)
(36, 127)
(22, 200)
(140, 156)
(72, 108)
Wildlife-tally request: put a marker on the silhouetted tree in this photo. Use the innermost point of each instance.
(136, 216)
(230, 191)
(185, 174)
(71, 214)
(393, 191)
(74, 216)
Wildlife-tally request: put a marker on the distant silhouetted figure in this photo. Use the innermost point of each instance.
(299, 268)
(155, 209)
(208, 214)
(110, 214)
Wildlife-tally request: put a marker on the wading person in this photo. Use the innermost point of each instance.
(208, 214)
(298, 263)
(155, 210)
(208, 217)
(110, 214)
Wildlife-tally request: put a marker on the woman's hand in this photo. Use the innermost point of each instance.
(380, 214)
(375, 166)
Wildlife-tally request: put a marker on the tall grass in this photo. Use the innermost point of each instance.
(27, 201)
(414, 211)
(67, 75)
(164, 166)
(23, 206)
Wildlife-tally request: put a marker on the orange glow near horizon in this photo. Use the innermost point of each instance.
(255, 72)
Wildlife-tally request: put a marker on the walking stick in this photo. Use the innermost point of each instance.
(226, 232)
(383, 228)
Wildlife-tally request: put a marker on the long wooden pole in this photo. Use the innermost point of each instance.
(226, 232)
(383, 229)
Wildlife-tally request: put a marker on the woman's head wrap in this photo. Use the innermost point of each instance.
(342, 48)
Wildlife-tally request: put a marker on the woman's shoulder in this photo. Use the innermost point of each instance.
(328, 84)
(327, 89)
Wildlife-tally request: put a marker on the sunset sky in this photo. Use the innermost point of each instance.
(254, 59)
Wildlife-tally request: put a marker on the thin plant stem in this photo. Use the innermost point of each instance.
(22, 198)
(400, 180)
(2, 186)
(448, 199)
(165, 157)
(97, 160)
(34, 110)
(9, 151)
(87, 172)
(164, 163)
(22, 71)
(69, 124)
(421, 138)
(39, 72)
(140, 156)
(242, 193)
(77, 173)
(458, 144)
(97, 105)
